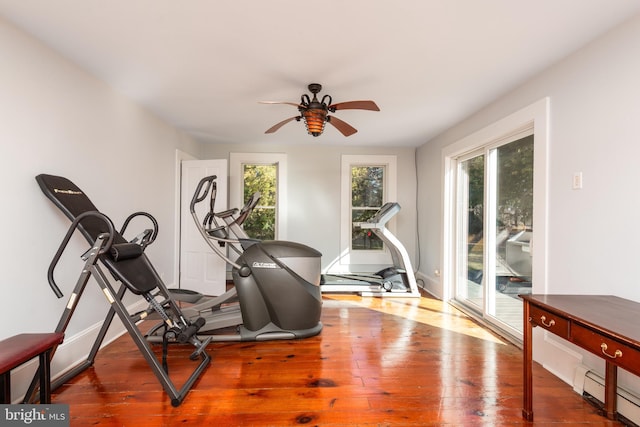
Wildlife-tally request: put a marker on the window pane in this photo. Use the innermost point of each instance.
(514, 221)
(261, 224)
(367, 187)
(261, 178)
(471, 230)
(363, 239)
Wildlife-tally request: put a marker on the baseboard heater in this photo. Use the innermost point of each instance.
(628, 404)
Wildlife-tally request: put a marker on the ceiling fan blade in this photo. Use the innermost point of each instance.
(345, 128)
(280, 102)
(277, 126)
(355, 105)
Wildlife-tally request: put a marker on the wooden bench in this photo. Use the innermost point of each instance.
(18, 349)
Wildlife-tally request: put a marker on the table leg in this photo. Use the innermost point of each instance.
(610, 390)
(527, 377)
(5, 388)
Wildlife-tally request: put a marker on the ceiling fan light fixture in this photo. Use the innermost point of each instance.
(314, 120)
(315, 113)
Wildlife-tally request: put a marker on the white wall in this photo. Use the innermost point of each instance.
(592, 233)
(55, 118)
(313, 208)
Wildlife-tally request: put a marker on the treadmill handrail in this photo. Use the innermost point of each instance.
(384, 215)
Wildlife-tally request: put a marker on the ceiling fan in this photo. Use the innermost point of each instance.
(316, 113)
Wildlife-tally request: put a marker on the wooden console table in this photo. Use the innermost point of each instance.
(605, 325)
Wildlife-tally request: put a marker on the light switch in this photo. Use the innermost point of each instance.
(577, 181)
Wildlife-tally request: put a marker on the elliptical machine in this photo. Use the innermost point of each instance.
(276, 294)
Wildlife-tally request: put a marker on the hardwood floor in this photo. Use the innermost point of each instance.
(377, 362)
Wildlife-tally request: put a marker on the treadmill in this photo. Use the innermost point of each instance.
(395, 281)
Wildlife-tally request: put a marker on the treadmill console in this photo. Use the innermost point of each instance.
(384, 215)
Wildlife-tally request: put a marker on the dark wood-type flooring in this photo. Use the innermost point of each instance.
(377, 362)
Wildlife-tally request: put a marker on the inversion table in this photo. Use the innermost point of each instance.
(128, 264)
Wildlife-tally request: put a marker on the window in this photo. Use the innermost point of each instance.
(266, 173)
(367, 195)
(261, 224)
(368, 181)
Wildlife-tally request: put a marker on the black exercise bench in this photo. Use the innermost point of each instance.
(18, 349)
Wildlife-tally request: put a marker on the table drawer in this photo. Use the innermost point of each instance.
(607, 348)
(552, 322)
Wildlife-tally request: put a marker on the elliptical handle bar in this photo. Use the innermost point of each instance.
(208, 183)
(248, 208)
(154, 234)
(199, 194)
(209, 218)
(65, 242)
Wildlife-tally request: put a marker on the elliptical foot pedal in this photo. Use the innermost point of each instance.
(185, 295)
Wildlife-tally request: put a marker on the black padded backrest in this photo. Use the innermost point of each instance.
(72, 201)
(136, 273)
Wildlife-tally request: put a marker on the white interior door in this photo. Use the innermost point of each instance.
(201, 269)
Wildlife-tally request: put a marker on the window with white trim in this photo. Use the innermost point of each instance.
(368, 182)
(367, 195)
(263, 179)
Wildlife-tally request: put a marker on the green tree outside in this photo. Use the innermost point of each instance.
(367, 195)
(261, 224)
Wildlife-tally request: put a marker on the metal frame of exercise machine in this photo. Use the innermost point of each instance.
(276, 293)
(396, 281)
(127, 264)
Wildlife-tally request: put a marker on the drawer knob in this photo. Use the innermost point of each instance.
(617, 354)
(543, 320)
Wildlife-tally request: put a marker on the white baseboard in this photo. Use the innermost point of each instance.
(429, 285)
(628, 403)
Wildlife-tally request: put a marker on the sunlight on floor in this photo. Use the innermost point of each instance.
(428, 311)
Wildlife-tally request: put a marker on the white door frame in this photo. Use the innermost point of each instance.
(180, 156)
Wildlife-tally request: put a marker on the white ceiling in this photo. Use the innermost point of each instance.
(203, 65)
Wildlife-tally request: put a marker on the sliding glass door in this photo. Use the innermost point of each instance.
(470, 230)
(494, 225)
